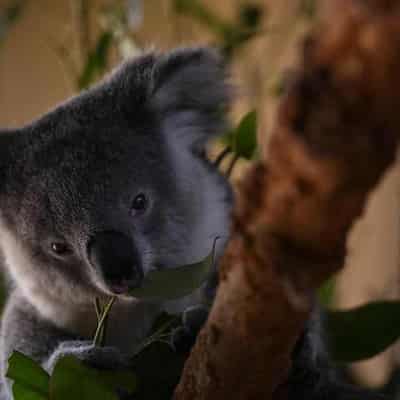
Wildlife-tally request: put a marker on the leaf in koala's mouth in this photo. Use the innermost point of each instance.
(174, 283)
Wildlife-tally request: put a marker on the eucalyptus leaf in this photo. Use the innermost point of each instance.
(28, 376)
(173, 283)
(326, 292)
(96, 62)
(64, 382)
(21, 392)
(363, 332)
(244, 138)
(93, 383)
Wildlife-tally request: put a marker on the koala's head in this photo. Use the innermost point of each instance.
(113, 183)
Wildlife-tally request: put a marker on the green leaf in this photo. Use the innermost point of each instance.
(326, 292)
(28, 376)
(173, 283)
(21, 392)
(244, 138)
(93, 383)
(96, 62)
(72, 380)
(363, 332)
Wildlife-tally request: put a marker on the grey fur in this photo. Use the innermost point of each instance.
(75, 172)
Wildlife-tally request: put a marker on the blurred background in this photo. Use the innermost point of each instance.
(52, 49)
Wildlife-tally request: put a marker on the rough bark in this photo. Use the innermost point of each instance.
(335, 135)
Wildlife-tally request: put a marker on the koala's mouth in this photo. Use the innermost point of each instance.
(123, 287)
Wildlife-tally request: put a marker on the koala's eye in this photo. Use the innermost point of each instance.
(60, 248)
(139, 202)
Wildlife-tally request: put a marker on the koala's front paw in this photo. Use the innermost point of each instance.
(98, 357)
(193, 319)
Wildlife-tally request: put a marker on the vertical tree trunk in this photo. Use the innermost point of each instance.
(335, 135)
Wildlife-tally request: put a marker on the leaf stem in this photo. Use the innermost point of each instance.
(99, 335)
(232, 165)
(98, 308)
(155, 335)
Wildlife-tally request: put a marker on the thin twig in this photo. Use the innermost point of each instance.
(98, 308)
(232, 165)
(99, 312)
(222, 155)
(156, 335)
(99, 336)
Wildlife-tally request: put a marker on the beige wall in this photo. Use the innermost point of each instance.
(33, 79)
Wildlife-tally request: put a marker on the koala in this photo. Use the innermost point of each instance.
(108, 186)
(104, 188)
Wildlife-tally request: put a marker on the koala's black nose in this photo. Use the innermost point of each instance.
(113, 255)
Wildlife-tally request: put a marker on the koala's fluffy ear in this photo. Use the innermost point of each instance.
(189, 89)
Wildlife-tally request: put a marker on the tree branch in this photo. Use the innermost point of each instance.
(335, 135)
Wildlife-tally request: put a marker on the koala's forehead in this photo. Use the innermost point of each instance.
(97, 146)
(92, 160)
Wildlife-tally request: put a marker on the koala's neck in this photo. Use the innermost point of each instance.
(76, 318)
